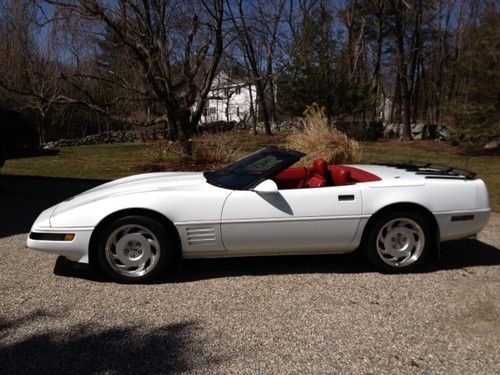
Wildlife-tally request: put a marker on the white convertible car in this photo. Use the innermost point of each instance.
(137, 227)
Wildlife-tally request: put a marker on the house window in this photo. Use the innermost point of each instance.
(238, 90)
(212, 110)
(238, 111)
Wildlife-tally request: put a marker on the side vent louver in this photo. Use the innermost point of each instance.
(201, 236)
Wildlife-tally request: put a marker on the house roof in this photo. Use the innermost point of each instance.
(224, 79)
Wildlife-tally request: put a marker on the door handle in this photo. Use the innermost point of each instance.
(346, 197)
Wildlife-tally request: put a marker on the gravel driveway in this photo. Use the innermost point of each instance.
(323, 314)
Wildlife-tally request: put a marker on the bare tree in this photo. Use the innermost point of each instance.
(400, 12)
(32, 71)
(148, 62)
(380, 9)
(257, 35)
(174, 47)
(355, 25)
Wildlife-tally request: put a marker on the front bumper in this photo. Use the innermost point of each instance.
(76, 250)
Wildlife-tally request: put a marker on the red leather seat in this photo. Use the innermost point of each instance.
(292, 178)
(319, 174)
(341, 176)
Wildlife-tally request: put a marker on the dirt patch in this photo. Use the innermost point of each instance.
(491, 233)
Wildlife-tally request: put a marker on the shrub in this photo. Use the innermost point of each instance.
(158, 156)
(214, 150)
(319, 140)
(210, 151)
(217, 126)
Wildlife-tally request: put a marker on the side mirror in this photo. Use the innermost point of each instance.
(266, 187)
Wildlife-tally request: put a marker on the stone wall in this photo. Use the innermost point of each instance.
(371, 132)
(418, 131)
(116, 136)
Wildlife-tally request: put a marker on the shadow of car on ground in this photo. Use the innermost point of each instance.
(93, 348)
(454, 255)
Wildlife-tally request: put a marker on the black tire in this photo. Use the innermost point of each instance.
(163, 249)
(382, 262)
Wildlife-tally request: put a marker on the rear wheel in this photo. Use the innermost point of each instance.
(135, 249)
(399, 242)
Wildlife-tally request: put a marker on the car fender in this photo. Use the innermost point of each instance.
(178, 206)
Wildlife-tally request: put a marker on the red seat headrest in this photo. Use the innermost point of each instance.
(341, 176)
(319, 174)
(320, 166)
(316, 182)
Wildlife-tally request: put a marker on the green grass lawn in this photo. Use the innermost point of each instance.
(89, 162)
(118, 160)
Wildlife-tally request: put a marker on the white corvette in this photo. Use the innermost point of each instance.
(137, 227)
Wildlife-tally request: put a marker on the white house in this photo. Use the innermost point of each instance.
(229, 99)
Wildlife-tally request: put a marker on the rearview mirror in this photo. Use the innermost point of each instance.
(266, 187)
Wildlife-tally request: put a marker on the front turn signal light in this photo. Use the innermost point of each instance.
(69, 237)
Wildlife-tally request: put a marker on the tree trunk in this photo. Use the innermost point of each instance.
(396, 114)
(180, 119)
(108, 130)
(41, 130)
(405, 98)
(378, 59)
(441, 74)
(252, 111)
(403, 71)
(418, 92)
(272, 91)
(99, 129)
(173, 133)
(261, 97)
(228, 101)
(415, 55)
(252, 61)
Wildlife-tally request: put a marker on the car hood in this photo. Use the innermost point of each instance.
(148, 182)
(164, 181)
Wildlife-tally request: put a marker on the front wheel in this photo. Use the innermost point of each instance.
(134, 249)
(399, 242)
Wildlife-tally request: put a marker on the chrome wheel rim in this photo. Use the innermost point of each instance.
(132, 250)
(400, 242)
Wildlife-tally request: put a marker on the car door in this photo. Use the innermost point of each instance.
(294, 220)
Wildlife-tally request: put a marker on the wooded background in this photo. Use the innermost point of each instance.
(81, 67)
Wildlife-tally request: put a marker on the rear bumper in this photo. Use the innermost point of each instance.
(76, 250)
(461, 224)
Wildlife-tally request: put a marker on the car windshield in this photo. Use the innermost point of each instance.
(253, 169)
